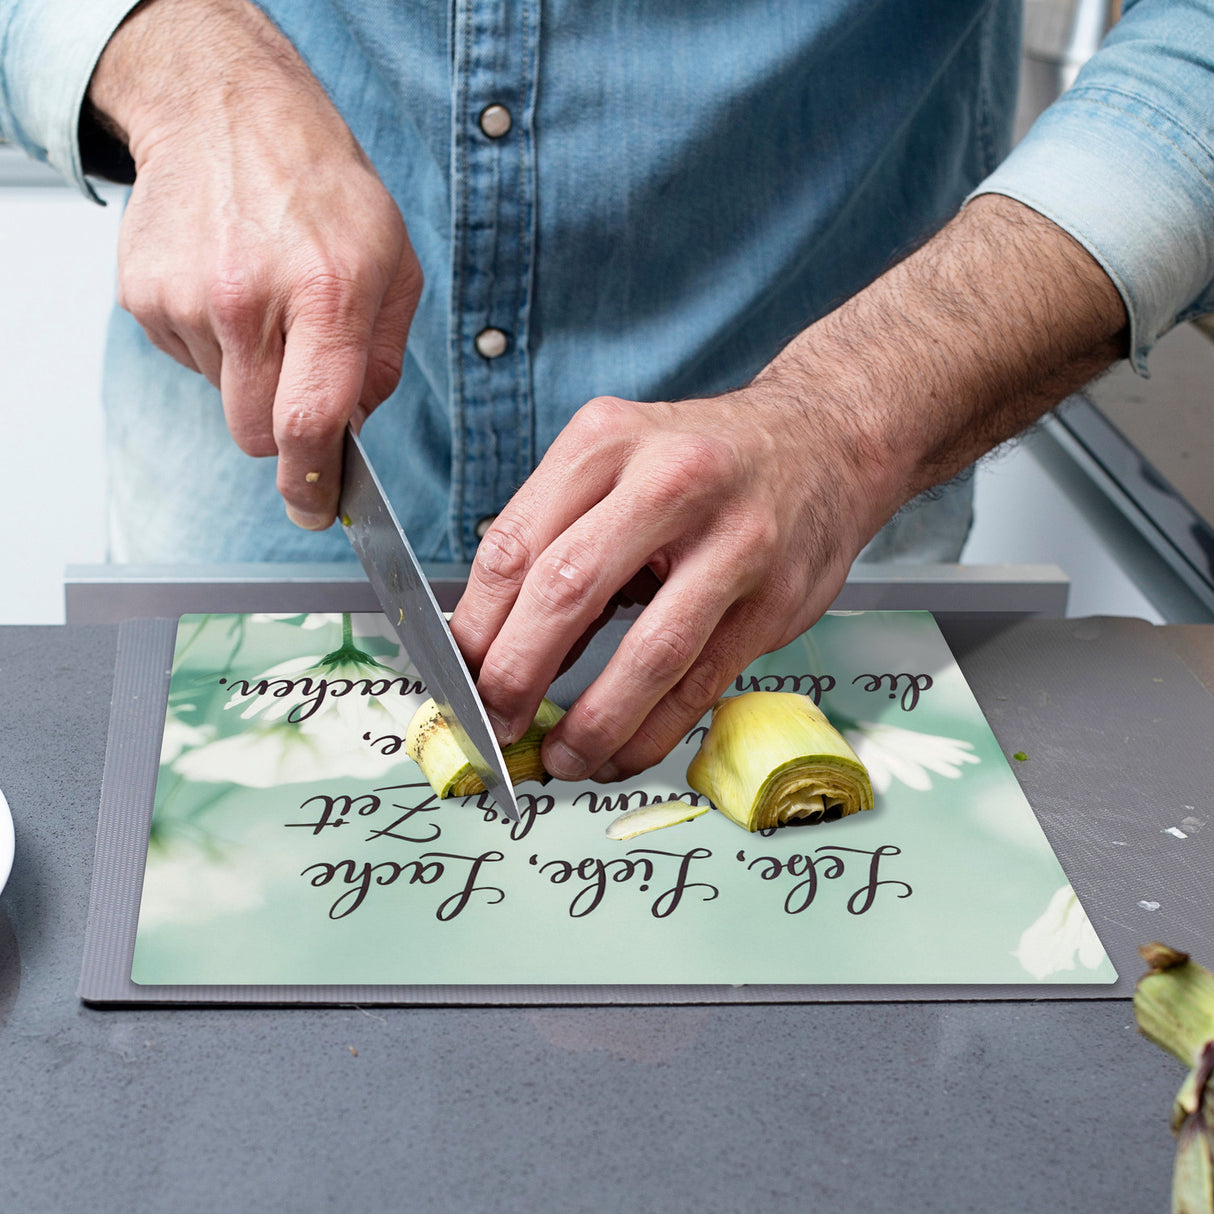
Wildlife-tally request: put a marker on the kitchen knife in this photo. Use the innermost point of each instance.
(411, 608)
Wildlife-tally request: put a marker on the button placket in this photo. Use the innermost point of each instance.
(492, 247)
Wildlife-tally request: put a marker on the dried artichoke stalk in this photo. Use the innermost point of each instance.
(431, 744)
(1174, 1007)
(771, 757)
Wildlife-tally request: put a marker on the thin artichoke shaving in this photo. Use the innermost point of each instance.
(772, 757)
(653, 817)
(431, 744)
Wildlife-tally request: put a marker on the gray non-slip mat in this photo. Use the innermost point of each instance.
(1117, 734)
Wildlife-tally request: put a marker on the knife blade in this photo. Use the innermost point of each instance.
(405, 595)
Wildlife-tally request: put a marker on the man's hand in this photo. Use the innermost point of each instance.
(750, 507)
(259, 247)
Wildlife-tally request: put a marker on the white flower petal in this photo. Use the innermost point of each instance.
(186, 883)
(178, 736)
(1062, 934)
(907, 755)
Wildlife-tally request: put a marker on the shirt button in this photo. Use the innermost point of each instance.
(483, 526)
(491, 343)
(495, 121)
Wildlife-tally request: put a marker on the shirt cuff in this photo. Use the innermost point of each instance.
(1135, 187)
(49, 53)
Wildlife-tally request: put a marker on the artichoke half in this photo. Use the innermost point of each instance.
(771, 757)
(431, 744)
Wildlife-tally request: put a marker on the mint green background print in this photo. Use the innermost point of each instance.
(293, 842)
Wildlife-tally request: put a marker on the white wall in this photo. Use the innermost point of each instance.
(56, 284)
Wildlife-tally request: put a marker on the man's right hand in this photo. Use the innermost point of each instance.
(259, 246)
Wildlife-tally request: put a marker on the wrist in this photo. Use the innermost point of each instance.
(174, 63)
(842, 405)
(959, 347)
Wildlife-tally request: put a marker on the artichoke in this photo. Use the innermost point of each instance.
(771, 757)
(431, 744)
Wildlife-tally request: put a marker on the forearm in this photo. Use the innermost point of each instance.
(960, 346)
(178, 65)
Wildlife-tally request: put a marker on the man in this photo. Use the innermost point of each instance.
(611, 200)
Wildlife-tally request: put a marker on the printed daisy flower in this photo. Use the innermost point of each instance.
(893, 753)
(320, 724)
(284, 753)
(188, 882)
(315, 619)
(179, 737)
(1060, 937)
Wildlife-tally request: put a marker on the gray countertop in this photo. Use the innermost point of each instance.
(944, 1106)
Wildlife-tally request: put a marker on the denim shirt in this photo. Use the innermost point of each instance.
(664, 194)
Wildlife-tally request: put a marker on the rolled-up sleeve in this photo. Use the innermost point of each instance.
(1124, 162)
(48, 50)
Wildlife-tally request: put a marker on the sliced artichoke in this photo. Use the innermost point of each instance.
(653, 817)
(431, 744)
(771, 757)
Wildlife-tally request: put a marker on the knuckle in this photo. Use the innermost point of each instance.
(330, 286)
(663, 651)
(594, 729)
(501, 681)
(697, 691)
(562, 583)
(756, 535)
(140, 297)
(603, 418)
(699, 460)
(233, 303)
(412, 276)
(504, 554)
(303, 424)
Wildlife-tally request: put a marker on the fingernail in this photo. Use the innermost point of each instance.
(501, 729)
(308, 521)
(607, 774)
(563, 762)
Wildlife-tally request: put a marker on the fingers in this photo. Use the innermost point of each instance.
(577, 472)
(746, 558)
(294, 301)
(323, 369)
(386, 349)
(657, 654)
(739, 637)
(543, 581)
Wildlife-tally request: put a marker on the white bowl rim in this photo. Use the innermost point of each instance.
(7, 842)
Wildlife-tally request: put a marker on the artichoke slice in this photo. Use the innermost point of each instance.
(772, 757)
(431, 744)
(653, 817)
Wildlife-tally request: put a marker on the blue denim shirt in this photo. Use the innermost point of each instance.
(683, 186)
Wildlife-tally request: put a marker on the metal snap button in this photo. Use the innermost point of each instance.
(491, 343)
(496, 121)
